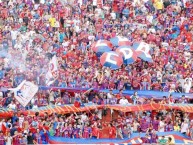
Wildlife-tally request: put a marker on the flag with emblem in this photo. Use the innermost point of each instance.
(25, 92)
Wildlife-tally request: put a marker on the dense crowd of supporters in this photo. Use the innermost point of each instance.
(37, 129)
(58, 97)
(91, 124)
(31, 32)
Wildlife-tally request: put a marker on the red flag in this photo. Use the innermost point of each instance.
(3, 128)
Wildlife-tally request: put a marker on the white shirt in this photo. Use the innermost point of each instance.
(84, 118)
(135, 2)
(1, 94)
(36, 6)
(42, 1)
(187, 85)
(184, 2)
(123, 102)
(187, 88)
(159, 75)
(65, 44)
(35, 107)
(189, 80)
(161, 126)
(80, 2)
(151, 30)
(76, 21)
(135, 126)
(32, 101)
(107, 73)
(51, 97)
(165, 44)
(182, 19)
(21, 119)
(14, 34)
(20, 20)
(77, 28)
(173, 86)
(32, 33)
(57, 24)
(59, 103)
(8, 140)
(187, 55)
(184, 127)
(91, 38)
(94, 2)
(12, 106)
(113, 15)
(109, 96)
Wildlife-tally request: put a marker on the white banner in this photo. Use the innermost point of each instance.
(25, 92)
(53, 70)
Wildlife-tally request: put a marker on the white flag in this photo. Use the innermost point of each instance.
(25, 92)
(53, 71)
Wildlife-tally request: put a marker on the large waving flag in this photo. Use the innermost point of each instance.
(53, 71)
(111, 59)
(142, 49)
(129, 55)
(25, 92)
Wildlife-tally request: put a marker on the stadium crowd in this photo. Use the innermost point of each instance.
(31, 32)
(37, 129)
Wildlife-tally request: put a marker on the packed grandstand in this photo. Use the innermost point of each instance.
(96, 72)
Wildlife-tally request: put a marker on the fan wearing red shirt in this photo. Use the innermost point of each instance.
(3, 83)
(112, 131)
(120, 94)
(76, 64)
(156, 86)
(171, 100)
(119, 121)
(16, 138)
(119, 126)
(71, 119)
(4, 13)
(147, 77)
(111, 85)
(93, 118)
(189, 36)
(62, 12)
(136, 84)
(95, 131)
